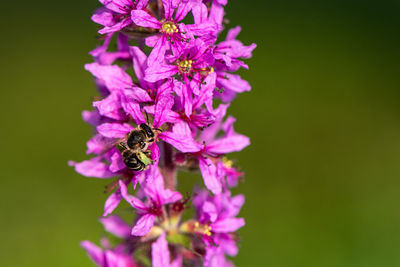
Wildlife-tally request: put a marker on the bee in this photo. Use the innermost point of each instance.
(134, 151)
(139, 140)
(135, 160)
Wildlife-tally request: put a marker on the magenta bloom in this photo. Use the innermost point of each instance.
(116, 14)
(173, 35)
(156, 195)
(156, 115)
(161, 256)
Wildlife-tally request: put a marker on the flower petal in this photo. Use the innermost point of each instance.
(116, 226)
(112, 202)
(93, 168)
(228, 144)
(181, 138)
(227, 225)
(160, 252)
(114, 130)
(139, 62)
(144, 19)
(158, 72)
(143, 225)
(208, 171)
(95, 253)
(133, 201)
(158, 52)
(113, 76)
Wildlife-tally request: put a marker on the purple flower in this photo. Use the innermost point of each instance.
(172, 91)
(156, 195)
(216, 222)
(227, 54)
(210, 149)
(161, 256)
(195, 74)
(173, 35)
(107, 258)
(116, 14)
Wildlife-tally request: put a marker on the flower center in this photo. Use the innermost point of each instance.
(169, 27)
(227, 163)
(185, 66)
(155, 208)
(203, 228)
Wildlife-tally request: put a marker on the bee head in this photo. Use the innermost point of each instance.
(135, 140)
(147, 129)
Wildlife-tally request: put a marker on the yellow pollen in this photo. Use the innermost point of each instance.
(211, 70)
(185, 65)
(203, 228)
(169, 27)
(228, 163)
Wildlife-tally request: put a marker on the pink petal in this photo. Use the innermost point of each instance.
(116, 27)
(162, 109)
(158, 72)
(103, 16)
(143, 225)
(144, 19)
(235, 83)
(208, 171)
(94, 252)
(169, 6)
(110, 107)
(183, 9)
(160, 252)
(139, 61)
(131, 107)
(117, 163)
(113, 76)
(141, 4)
(227, 225)
(210, 209)
(114, 130)
(112, 202)
(233, 33)
(133, 201)
(200, 13)
(158, 52)
(228, 144)
(116, 226)
(181, 138)
(93, 168)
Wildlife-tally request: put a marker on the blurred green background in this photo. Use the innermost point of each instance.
(323, 170)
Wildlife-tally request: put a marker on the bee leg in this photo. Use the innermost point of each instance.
(148, 154)
(121, 146)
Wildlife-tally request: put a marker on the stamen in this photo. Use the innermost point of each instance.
(204, 229)
(185, 66)
(227, 163)
(169, 27)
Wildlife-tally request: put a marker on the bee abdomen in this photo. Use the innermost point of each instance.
(132, 161)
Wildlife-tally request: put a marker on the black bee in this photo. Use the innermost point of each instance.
(139, 140)
(136, 161)
(134, 151)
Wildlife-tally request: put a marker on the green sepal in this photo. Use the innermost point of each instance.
(140, 256)
(179, 239)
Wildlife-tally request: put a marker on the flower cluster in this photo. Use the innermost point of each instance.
(164, 93)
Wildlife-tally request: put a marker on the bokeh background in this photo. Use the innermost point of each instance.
(323, 172)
